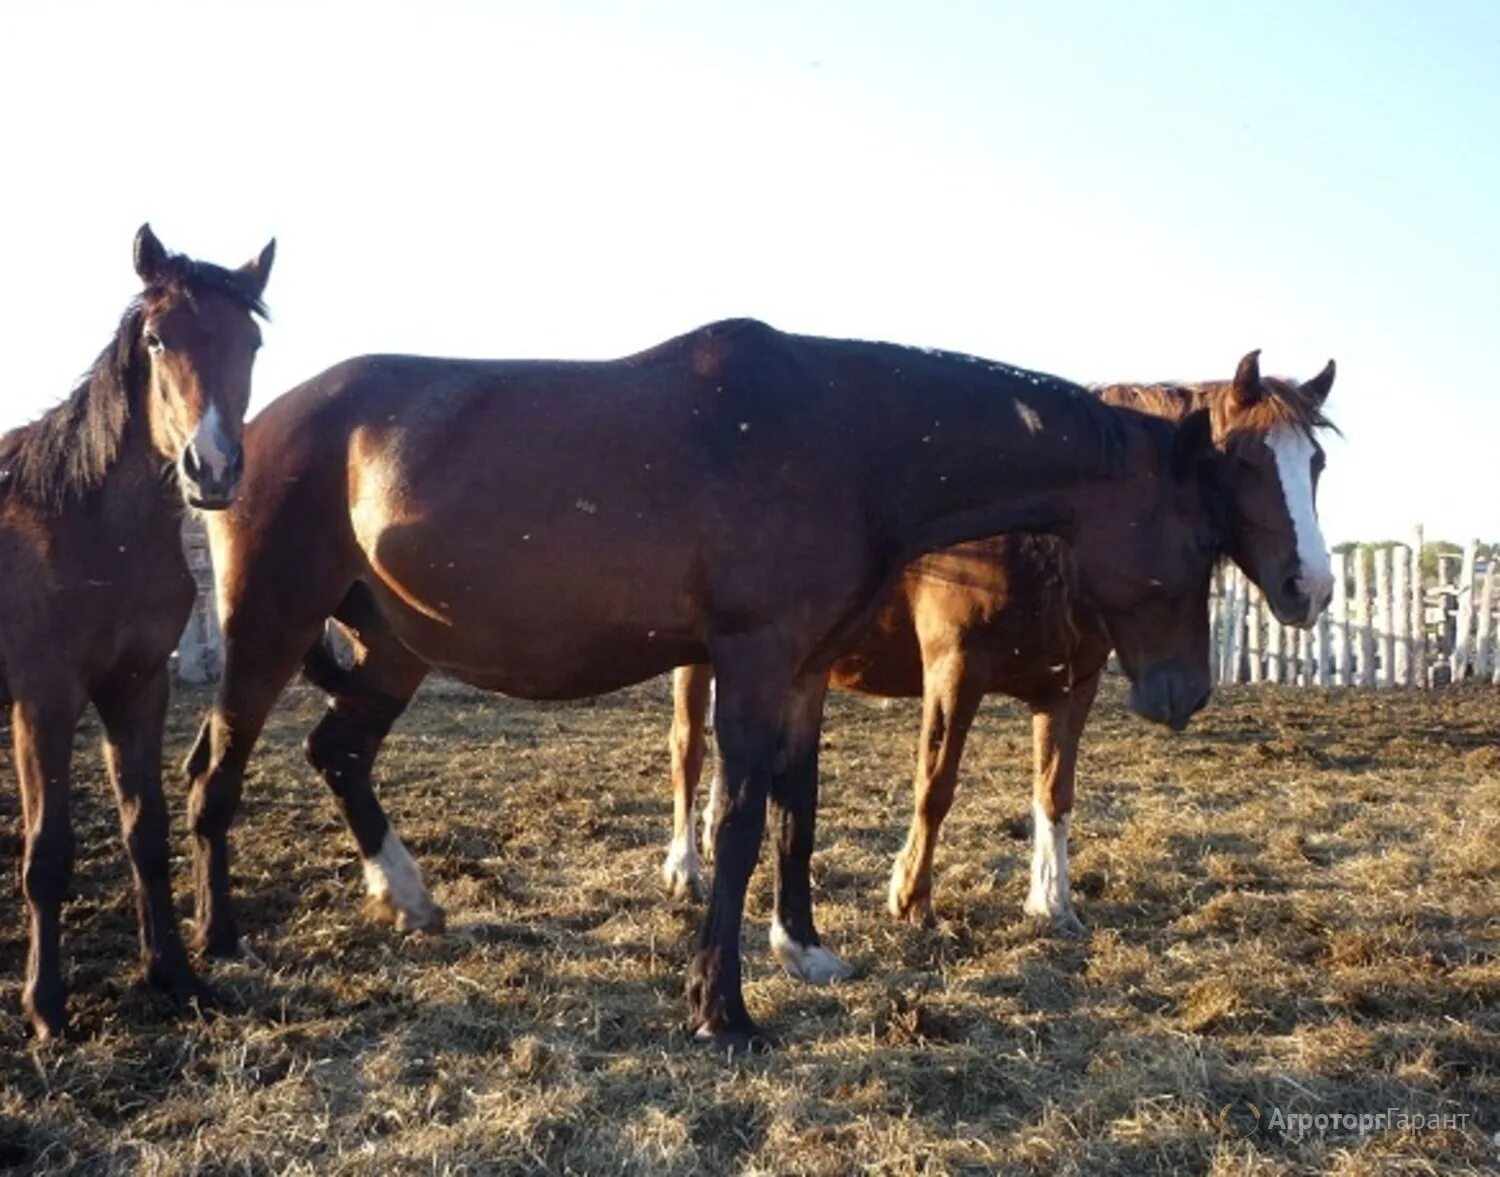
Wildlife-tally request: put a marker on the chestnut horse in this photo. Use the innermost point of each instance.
(1012, 615)
(94, 588)
(736, 495)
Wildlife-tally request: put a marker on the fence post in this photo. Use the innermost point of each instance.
(1239, 591)
(1484, 642)
(1364, 638)
(1418, 614)
(1322, 650)
(1401, 608)
(1463, 631)
(1255, 611)
(1273, 650)
(1384, 631)
(1343, 673)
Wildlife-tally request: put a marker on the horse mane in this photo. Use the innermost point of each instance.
(1282, 402)
(68, 450)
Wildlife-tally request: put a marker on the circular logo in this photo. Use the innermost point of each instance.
(1239, 1119)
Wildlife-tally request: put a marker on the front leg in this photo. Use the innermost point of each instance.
(134, 713)
(752, 691)
(1057, 730)
(691, 687)
(42, 737)
(794, 810)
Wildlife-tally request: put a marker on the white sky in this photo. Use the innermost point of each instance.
(1104, 191)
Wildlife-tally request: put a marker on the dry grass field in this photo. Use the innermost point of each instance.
(1293, 904)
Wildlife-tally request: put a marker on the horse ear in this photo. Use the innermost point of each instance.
(1192, 444)
(150, 255)
(1320, 385)
(1246, 389)
(258, 269)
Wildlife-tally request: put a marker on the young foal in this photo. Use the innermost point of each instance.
(95, 590)
(737, 495)
(1012, 615)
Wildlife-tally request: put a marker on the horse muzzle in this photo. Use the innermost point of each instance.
(1300, 599)
(1169, 696)
(210, 475)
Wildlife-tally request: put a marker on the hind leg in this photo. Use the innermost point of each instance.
(683, 870)
(134, 712)
(367, 701)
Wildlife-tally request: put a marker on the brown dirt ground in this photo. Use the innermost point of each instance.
(1292, 904)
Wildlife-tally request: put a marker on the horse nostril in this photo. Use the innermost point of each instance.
(191, 466)
(1291, 588)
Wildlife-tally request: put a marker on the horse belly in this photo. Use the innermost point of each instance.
(559, 613)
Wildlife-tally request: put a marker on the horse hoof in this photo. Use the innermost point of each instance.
(218, 944)
(813, 964)
(917, 912)
(681, 872)
(1064, 924)
(184, 987)
(732, 1043)
(49, 1023)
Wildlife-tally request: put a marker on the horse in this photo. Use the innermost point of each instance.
(1012, 615)
(736, 495)
(95, 590)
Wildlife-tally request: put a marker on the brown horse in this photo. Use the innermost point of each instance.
(736, 495)
(95, 590)
(1011, 615)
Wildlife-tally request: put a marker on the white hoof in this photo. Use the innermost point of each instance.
(815, 965)
(394, 882)
(1062, 922)
(683, 869)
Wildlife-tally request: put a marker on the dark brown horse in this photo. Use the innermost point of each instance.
(1013, 615)
(94, 588)
(736, 495)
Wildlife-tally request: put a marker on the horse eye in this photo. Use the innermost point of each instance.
(152, 340)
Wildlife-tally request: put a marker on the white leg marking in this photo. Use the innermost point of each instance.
(816, 966)
(1293, 450)
(713, 807)
(1049, 898)
(683, 870)
(394, 876)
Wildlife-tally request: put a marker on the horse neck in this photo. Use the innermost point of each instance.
(134, 491)
(1027, 458)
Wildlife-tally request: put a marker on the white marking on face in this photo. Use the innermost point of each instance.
(816, 965)
(683, 869)
(1293, 450)
(210, 442)
(1050, 895)
(394, 876)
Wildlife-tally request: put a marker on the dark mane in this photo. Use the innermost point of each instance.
(68, 450)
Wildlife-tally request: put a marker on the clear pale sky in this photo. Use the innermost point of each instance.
(1101, 190)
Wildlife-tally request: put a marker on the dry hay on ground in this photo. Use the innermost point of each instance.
(1292, 904)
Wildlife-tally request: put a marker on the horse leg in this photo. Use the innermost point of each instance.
(794, 809)
(753, 681)
(364, 705)
(42, 738)
(682, 871)
(1056, 731)
(950, 700)
(134, 714)
(258, 663)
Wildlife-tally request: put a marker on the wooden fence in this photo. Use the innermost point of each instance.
(1390, 624)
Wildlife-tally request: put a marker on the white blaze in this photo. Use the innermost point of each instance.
(1293, 450)
(210, 443)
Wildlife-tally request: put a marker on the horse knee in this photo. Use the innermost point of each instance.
(47, 872)
(213, 801)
